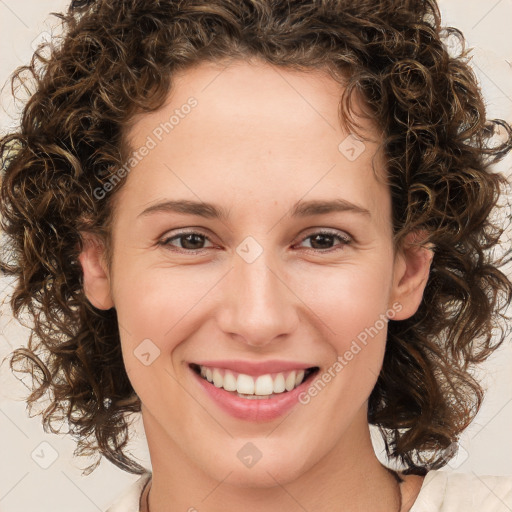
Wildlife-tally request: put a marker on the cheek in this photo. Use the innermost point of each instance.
(154, 309)
(351, 303)
(154, 302)
(168, 305)
(347, 299)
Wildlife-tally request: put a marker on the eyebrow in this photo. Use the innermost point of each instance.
(211, 211)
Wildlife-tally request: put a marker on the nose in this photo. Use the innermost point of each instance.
(258, 303)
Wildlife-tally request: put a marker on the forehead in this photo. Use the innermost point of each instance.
(245, 98)
(258, 128)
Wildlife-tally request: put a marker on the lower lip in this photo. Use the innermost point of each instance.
(263, 409)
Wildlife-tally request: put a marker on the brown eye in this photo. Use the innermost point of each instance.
(189, 241)
(192, 241)
(322, 240)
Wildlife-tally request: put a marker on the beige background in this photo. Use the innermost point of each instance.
(486, 447)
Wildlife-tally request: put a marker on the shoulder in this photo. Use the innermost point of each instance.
(129, 501)
(448, 491)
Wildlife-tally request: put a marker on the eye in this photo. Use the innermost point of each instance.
(193, 241)
(320, 240)
(190, 241)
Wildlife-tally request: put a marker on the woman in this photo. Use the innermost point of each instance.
(266, 226)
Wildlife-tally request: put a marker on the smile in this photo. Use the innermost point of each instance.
(253, 397)
(259, 387)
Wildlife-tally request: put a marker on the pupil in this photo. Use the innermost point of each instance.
(321, 237)
(192, 236)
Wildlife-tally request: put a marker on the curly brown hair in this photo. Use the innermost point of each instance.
(117, 58)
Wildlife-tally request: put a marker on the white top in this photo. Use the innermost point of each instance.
(441, 491)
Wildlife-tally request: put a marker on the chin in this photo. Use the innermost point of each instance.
(267, 472)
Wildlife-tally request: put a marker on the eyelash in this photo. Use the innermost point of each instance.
(344, 239)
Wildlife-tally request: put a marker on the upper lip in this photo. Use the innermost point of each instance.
(256, 367)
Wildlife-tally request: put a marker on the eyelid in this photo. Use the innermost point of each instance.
(327, 231)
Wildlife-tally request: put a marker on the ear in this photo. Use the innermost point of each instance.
(96, 277)
(410, 274)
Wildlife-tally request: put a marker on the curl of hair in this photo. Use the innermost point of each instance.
(118, 57)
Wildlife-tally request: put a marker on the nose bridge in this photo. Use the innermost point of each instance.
(258, 306)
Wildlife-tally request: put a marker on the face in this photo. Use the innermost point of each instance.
(274, 283)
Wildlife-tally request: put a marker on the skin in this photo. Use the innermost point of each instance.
(260, 139)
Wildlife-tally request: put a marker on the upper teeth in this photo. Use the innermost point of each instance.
(248, 385)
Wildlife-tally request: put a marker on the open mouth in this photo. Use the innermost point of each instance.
(265, 386)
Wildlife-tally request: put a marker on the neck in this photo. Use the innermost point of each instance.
(349, 475)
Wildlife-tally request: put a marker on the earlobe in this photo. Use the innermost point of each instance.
(411, 272)
(96, 279)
